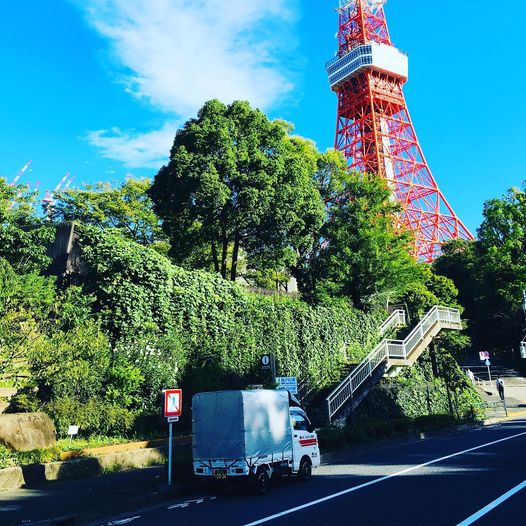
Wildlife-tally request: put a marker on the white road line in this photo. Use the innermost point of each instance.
(376, 481)
(182, 505)
(123, 521)
(492, 505)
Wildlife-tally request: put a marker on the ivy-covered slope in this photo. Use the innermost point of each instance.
(219, 329)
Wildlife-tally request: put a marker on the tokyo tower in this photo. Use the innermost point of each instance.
(374, 130)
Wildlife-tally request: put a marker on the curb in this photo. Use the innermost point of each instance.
(37, 475)
(128, 446)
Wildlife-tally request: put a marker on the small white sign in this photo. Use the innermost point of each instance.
(290, 383)
(171, 419)
(73, 430)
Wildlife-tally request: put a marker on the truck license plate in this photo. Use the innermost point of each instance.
(220, 474)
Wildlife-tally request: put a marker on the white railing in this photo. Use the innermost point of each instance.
(397, 319)
(391, 349)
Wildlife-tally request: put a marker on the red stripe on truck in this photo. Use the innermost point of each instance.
(308, 442)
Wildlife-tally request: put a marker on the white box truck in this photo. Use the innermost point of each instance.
(256, 434)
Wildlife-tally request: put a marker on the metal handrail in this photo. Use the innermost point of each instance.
(395, 349)
(397, 319)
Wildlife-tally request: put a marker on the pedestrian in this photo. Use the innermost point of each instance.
(500, 387)
(471, 376)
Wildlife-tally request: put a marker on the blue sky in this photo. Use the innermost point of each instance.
(98, 87)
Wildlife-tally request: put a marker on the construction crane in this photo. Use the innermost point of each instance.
(20, 173)
(48, 198)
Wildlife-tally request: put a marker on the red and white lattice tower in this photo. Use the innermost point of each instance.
(374, 130)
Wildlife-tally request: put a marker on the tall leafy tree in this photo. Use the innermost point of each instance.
(491, 273)
(126, 208)
(364, 256)
(23, 233)
(238, 186)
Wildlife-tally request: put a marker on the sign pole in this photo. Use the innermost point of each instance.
(489, 371)
(170, 454)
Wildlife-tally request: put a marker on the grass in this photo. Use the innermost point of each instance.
(10, 457)
(77, 444)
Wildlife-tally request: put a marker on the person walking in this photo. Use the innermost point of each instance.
(471, 376)
(500, 387)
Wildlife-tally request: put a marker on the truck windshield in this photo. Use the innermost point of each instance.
(299, 421)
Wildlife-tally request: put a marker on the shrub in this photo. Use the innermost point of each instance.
(95, 416)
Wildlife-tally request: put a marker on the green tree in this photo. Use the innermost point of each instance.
(491, 273)
(126, 208)
(26, 304)
(23, 236)
(364, 256)
(238, 184)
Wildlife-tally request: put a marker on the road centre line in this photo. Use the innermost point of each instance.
(376, 481)
(486, 509)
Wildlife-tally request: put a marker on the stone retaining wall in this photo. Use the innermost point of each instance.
(37, 474)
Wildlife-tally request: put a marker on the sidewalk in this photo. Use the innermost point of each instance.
(74, 502)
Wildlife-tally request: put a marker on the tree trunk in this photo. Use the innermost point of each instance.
(223, 255)
(235, 255)
(214, 256)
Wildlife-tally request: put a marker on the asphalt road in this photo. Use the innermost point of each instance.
(477, 476)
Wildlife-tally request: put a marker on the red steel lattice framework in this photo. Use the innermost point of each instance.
(374, 130)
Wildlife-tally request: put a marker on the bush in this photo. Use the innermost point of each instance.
(95, 416)
(25, 401)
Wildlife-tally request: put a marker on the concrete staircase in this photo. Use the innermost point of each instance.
(514, 387)
(388, 359)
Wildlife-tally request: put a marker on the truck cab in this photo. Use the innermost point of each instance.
(304, 443)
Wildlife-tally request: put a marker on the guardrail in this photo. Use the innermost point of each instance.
(390, 349)
(397, 319)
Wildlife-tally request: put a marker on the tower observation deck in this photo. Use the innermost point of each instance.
(374, 130)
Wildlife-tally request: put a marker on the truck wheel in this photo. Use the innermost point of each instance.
(305, 471)
(262, 481)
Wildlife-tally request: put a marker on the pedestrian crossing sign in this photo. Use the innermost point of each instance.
(172, 402)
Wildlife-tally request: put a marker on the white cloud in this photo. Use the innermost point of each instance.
(135, 150)
(179, 53)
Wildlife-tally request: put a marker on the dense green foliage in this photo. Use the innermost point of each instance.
(217, 332)
(22, 233)
(238, 184)
(490, 274)
(126, 208)
(365, 257)
(435, 385)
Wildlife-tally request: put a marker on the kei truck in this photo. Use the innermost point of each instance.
(256, 434)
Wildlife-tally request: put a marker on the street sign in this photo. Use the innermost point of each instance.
(488, 363)
(484, 355)
(172, 402)
(290, 383)
(266, 361)
(72, 430)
